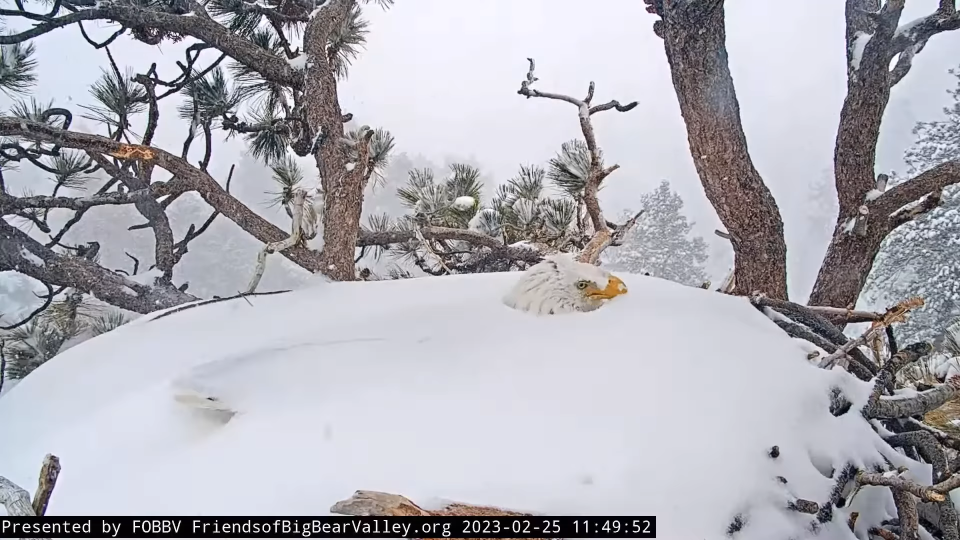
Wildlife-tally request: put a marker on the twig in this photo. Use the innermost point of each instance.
(47, 300)
(179, 309)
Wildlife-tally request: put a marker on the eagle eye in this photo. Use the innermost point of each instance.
(582, 284)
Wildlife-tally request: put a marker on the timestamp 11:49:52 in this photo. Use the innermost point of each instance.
(613, 527)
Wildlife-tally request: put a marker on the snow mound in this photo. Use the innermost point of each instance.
(667, 402)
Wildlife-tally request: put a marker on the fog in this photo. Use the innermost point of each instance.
(442, 76)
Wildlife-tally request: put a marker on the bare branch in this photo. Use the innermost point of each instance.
(919, 404)
(296, 225)
(901, 483)
(47, 300)
(597, 173)
(187, 177)
(150, 209)
(9, 203)
(270, 66)
(15, 499)
(21, 253)
(49, 473)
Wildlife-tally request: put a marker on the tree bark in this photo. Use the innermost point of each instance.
(342, 188)
(873, 42)
(694, 40)
(20, 253)
(186, 178)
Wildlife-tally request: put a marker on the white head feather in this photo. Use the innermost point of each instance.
(561, 284)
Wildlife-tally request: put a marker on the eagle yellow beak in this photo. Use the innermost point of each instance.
(615, 287)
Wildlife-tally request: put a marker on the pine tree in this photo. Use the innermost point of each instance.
(922, 257)
(661, 244)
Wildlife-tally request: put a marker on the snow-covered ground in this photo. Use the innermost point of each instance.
(664, 402)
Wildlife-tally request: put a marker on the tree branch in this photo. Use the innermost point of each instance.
(929, 182)
(919, 404)
(596, 173)
(49, 472)
(188, 178)
(901, 483)
(23, 254)
(205, 29)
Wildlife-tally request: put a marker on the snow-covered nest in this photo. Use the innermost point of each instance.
(667, 402)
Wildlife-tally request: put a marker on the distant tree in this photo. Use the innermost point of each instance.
(922, 256)
(660, 243)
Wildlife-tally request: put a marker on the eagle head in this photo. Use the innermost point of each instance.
(561, 284)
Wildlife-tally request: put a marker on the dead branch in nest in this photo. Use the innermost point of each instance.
(846, 316)
(899, 482)
(49, 473)
(376, 503)
(928, 448)
(819, 327)
(919, 404)
(893, 315)
(16, 500)
(596, 172)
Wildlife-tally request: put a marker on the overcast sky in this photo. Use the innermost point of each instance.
(442, 75)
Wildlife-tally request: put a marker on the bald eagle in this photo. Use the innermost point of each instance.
(561, 284)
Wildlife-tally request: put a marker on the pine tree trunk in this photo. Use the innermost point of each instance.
(694, 39)
(343, 192)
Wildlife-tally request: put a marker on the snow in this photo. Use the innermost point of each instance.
(663, 402)
(147, 278)
(859, 44)
(465, 202)
(873, 195)
(299, 62)
(350, 166)
(905, 28)
(30, 257)
(849, 224)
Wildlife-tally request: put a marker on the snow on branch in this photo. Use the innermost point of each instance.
(918, 195)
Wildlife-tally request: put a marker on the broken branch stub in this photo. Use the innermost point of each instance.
(49, 473)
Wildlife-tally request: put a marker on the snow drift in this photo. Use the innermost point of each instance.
(666, 402)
